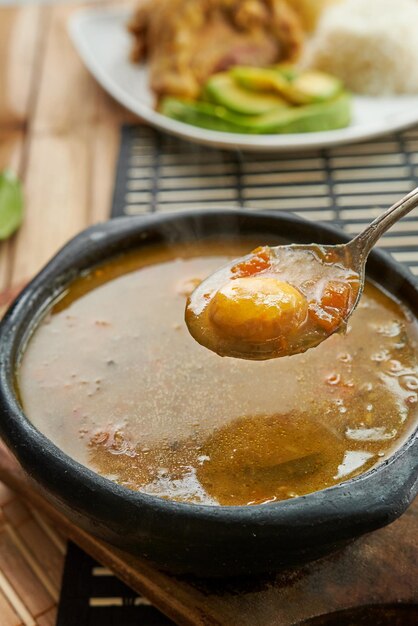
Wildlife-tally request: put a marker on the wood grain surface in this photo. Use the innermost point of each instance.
(58, 130)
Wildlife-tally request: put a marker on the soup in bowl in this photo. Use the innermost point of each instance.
(206, 464)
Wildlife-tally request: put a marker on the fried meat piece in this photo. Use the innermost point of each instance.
(186, 41)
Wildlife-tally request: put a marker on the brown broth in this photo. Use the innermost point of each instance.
(113, 377)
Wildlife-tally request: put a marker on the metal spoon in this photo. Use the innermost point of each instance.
(306, 267)
(358, 249)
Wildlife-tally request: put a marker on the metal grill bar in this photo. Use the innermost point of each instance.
(347, 185)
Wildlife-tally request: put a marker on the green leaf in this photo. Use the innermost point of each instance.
(11, 204)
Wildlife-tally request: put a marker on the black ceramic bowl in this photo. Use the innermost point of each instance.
(186, 538)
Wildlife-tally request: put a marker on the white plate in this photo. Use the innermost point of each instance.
(103, 43)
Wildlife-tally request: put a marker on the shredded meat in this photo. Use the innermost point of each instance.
(185, 41)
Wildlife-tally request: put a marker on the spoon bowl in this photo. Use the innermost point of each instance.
(283, 300)
(232, 327)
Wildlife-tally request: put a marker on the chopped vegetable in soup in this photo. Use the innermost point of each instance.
(274, 303)
(113, 377)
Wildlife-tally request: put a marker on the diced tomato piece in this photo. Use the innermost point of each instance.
(333, 307)
(337, 296)
(328, 318)
(256, 264)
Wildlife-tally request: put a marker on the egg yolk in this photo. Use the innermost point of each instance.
(257, 308)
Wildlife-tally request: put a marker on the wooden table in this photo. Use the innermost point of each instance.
(59, 132)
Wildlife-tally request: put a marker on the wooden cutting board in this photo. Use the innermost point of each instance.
(381, 568)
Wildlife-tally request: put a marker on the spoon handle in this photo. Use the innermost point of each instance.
(364, 241)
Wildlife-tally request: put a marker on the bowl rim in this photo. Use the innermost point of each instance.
(375, 497)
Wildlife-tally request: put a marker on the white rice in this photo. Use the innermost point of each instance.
(371, 45)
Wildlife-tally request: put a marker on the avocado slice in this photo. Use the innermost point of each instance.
(261, 79)
(287, 70)
(296, 88)
(224, 90)
(314, 86)
(204, 114)
(310, 118)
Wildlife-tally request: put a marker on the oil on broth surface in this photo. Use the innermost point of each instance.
(113, 377)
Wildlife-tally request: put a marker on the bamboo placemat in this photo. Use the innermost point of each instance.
(31, 561)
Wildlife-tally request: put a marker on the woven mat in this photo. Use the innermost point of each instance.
(31, 562)
(349, 186)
